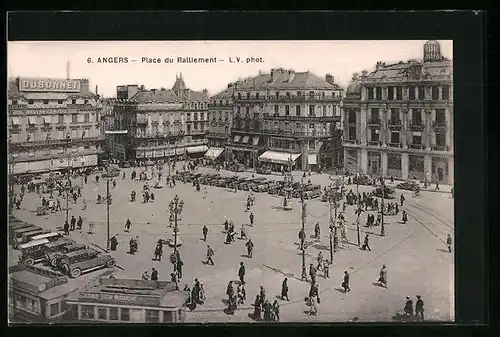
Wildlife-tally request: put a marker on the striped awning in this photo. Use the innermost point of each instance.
(311, 159)
(197, 149)
(245, 139)
(214, 152)
(278, 157)
(236, 139)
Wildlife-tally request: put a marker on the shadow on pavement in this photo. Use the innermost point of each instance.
(340, 290)
(443, 250)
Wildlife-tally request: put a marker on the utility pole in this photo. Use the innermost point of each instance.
(332, 224)
(107, 213)
(382, 228)
(68, 139)
(304, 274)
(335, 236)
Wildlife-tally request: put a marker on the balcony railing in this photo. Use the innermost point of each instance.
(440, 148)
(439, 124)
(416, 126)
(312, 119)
(373, 142)
(374, 122)
(49, 142)
(350, 141)
(416, 146)
(391, 144)
(394, 122)
(294, 98)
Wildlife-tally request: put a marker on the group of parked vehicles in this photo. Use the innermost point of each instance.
(254, 184)
(37, 245)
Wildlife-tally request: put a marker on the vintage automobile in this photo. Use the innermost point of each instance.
(207, 178)
(274, 187)
(56, 251)
(52, 236)
(264, 170)
(38, 180)
(409, 185)
(252, 182)
(32, 252)
(125, 164)
(81, 261)
(238, 168)
(241, 181)
(193, 176)
(261, 187)
(17, 226)
(312, 191)
(388, 192)
(27, 236)
(362, 179)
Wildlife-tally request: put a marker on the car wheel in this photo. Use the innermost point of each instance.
(29, 261)
(111, 263)
(53, 262)
(76, 272)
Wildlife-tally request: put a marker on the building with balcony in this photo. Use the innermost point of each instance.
(286, 115)
(220, 120)
(53, 124)
(398, 119)
(158, 124)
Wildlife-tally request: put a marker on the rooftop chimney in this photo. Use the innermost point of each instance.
(330, 79)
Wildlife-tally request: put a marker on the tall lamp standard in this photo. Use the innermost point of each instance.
(176, 206)
(108, 175)
(304, 274)
(382, 228)
(68, 183)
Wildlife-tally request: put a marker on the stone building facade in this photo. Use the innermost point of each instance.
(398, 119)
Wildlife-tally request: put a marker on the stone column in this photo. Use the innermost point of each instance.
(428, 165)
(362, 126)
(305, 155)
(451, 172)
(359, 160)
(448, 129)
(382, 130)
(405, 165)
(403, 117)
(345, 158)
(364, 160)
(384, 160)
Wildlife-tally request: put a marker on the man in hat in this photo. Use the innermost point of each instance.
(419, 307)
(154, 274)
(345, 283)
(113, 242)
(205, 232)
(449, 242)
(284, 289)
(249, 246)
(251, 217)
(241, 273)
(408, 306)
(366, 244)
(383, 277)
(312, 273)
(210, 253)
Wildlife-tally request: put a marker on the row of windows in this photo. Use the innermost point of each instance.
(414, 93)
(287, 94)
(49, 120)
(214, 114)
(16, 137)
(196, 105)
(46, 151)
(287, 144)
(416, 116)
(27, 303)
(395, 137)
(195, 116)
(46, 101)
(299, 125)
(312, 109)
(89, 312)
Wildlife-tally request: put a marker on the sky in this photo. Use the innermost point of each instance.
(339, 58)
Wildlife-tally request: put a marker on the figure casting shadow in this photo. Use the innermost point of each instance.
(340, 290)
(443, 250)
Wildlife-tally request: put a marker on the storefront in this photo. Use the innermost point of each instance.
(214, 153)
(127, 301)
(37, 295)
(196, 151)
(279, 160)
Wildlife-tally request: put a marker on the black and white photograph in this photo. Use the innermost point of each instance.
(281, 181)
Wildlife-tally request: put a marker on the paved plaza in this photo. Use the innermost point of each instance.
(415, 253)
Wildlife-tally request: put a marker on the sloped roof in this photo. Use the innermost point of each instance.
(186, 95)
(12, 90)
(227, 93)
(399, 70)
(354, 88)
(179, 84)
(285, 79)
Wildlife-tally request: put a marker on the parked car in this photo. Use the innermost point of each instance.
(264, 170)
(251, 183)
(51, 236)
(206, 178)
(32, 252)
(36, 181)
(362, 180)
(261, 187)
(125, 164)
(388, 192)
(191, 177)
(410, 185)
(76, 263)
(56, 252)
(313, 191)
(27, 236)
(239, 168)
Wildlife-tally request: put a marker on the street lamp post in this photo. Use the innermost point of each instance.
(108, 175)
(68, 183)
(382, 228)
(176, 207)
(304, 274)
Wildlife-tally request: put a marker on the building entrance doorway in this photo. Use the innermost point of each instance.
(374, 166)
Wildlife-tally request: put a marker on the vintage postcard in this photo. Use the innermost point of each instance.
(230, 181)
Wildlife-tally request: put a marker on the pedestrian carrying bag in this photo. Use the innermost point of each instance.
(319, 300)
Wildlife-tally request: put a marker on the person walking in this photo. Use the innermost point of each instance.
(404, 217)
(113, 242)
(158, 251)
(408, 309)
(91, 228)
(284, 289)
(154, 274)
(58, 205)
(66, 228)
(145, 276)
(241, 273)
(302, 238)
(419, 308)
(383, 277)
(79, 223)
(73, 223)
(366, 245)
(205, 232)
(178, 266)
(320, 261)
(230, 291)
(345, 283)
(243, 234)
(312, 273)
(249, 246)
(257, 308)
(276, 310)
(251, 217)
(241, 294)
(449, 242)
(326, 269)
(128, 224)
(210, 254)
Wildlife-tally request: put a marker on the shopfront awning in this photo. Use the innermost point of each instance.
(214, 152)
(236, 139)
(255, 141)
(311, 159)
(278, 157)
(15, 121)
(245, 139)
(47, 120)
(31, 120)
(197, 149)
